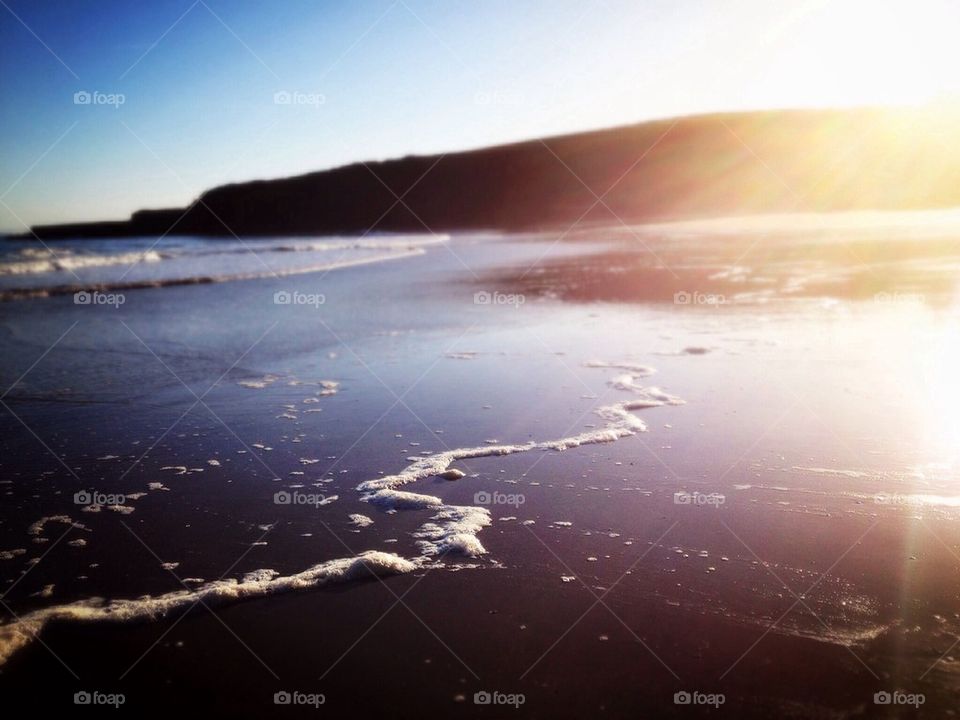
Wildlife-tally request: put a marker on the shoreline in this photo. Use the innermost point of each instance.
(699, 594)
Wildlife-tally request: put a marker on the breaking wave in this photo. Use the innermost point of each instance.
(37, 262)
(188, 263)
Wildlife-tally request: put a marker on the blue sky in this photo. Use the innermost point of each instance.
(384, 78)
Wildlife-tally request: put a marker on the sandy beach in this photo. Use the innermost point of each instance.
(742, 493)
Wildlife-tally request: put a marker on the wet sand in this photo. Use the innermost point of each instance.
(809, 561)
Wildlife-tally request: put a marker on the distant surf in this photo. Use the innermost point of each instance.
(67, 267)
(37, 261)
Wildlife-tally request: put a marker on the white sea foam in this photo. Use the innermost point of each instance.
(258, 383)
(194, 265)
(831, 471)
(65, 260)
(621, 422)
(454, 529)
(631, 367)
(914, 499)
(619, 417)
(398, 499)
(399, 242)
(37, 528)
(328, 387)
(651, 396)
(15, 635)
(360, 520)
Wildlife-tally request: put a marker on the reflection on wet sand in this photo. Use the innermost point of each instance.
(855, 256)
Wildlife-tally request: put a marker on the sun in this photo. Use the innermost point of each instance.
(855, 52)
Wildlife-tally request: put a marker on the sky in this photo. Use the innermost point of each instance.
(108, 106)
